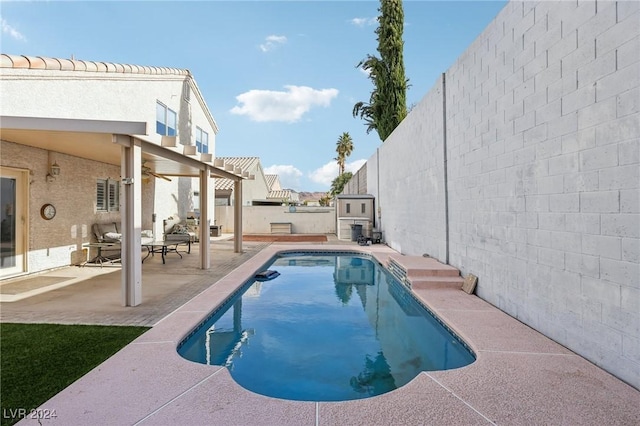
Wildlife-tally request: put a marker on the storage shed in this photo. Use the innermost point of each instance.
(354, 212)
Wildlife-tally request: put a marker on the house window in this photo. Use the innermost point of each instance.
(202, 141)
(348, 208)
(196, 201)
(107, 195)
(363, 209)
(166, 120)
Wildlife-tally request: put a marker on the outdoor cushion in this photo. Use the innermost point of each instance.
(179, 229)
(112, 237)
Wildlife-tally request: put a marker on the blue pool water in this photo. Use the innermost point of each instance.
(330, 327)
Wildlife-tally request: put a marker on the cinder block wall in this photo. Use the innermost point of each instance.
(542, 152)
(358, 183)
(410, 181)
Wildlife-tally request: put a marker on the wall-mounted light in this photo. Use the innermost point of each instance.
(54, 169)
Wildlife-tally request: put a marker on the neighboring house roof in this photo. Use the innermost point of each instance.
(58, 64)
(283, 194)
(224, 187)
(273, 182)
(245, 163)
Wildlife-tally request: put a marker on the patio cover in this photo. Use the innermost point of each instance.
(124, 143)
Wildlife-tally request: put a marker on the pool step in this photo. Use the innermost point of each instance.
(432, 282)
(424, 272)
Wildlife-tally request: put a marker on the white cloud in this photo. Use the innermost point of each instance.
(289, 106)
(289, 175)
(12, 32)
(363, 22)
(327, 173)
(271, 42)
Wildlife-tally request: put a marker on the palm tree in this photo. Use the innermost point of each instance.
(325, 200)
(338, 183)
(344, 148)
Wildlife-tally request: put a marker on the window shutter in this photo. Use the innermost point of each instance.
(114, 199)
(101, 193)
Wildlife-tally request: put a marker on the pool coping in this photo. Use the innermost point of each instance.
(519, 376)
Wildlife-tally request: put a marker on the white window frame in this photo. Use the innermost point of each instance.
(202, 141)
(166, 116)
(196, 201)
(110, 199)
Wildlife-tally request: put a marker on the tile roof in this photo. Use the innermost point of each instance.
(45, 63)
(245, 163)
(284, 194)
(273, 182)
(223, 184)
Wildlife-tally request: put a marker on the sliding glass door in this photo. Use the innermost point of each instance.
(13, 221)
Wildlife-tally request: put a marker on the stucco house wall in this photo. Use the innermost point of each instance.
(109, 96)
(255, 189)
(106, 96)
(542, 174)
(59, 242)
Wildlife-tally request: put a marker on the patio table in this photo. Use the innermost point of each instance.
(165, 247)
(100, 257)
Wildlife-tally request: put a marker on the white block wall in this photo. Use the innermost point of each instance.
(542, 151)
(411, 181)
(258, 219)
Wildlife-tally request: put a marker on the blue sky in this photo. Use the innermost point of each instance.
(279, 77)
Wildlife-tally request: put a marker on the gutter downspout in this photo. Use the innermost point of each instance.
(379, 207)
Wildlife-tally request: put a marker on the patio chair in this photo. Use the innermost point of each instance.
(108, 242)
(175, 229)
(112, 233)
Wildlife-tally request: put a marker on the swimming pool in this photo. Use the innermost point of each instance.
(330, 327)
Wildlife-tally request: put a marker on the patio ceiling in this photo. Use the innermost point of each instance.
(68, 137)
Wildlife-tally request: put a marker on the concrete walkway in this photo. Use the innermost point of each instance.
(94, 293)
(519, 377)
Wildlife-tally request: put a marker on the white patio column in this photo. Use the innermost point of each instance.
(237, 216)
(205, 256)
(131, 201)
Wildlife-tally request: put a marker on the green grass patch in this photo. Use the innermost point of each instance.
(39, 360)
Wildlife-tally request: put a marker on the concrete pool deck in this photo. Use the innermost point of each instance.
(520, 377)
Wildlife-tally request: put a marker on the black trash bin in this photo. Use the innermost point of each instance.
(356, 231)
